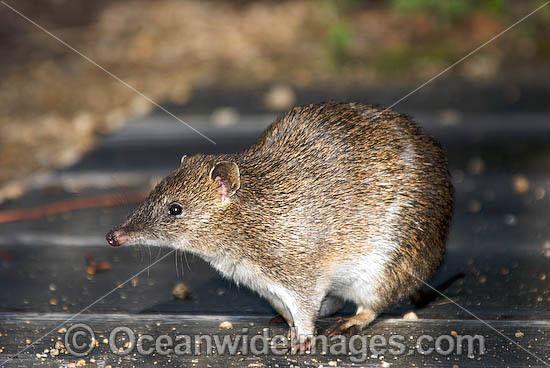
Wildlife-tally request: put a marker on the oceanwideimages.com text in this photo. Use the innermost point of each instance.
(80, 340)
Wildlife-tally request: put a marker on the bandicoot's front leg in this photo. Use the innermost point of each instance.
(277, 320)
(302, 332)
(284, 314)
(300, 342)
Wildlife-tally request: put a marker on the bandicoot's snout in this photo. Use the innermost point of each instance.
(116, 237)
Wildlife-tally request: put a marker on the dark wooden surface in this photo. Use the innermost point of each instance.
(498, 258)
(499, 351)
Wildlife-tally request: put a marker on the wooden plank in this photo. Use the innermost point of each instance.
(496, 285)
(499, 351)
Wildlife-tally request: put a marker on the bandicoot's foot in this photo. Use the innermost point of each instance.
(353, 325)
(277, 320)
(344, 327)
(302, 344)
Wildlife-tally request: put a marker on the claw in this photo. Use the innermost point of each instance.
(303, 345)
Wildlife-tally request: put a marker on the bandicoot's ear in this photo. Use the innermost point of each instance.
(226, 173)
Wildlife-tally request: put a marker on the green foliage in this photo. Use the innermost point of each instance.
(495, 6)
(449, 10)
(391, 61)
(339, 41)
(344, 5)
(339, 32)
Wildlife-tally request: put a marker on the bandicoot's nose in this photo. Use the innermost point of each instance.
(116, 237)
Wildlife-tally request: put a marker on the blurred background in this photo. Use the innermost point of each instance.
(250, 56)
(79, 150)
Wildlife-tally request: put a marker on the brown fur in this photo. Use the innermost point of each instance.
(314, 193)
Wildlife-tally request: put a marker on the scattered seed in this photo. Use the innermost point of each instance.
(519, 334)
(94, 267)
(226, 325)
(474, 206)
(476, 165)
(411, 316)
(180, 291)
(520, 184)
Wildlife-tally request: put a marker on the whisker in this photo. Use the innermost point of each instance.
(186, 261)
(176, 259)
(182, 257)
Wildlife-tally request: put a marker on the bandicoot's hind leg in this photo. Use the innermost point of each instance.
(353, 325)
(330, 305)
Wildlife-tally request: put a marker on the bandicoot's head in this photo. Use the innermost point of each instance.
(184, 207)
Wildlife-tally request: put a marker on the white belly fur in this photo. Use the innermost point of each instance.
(358, 280)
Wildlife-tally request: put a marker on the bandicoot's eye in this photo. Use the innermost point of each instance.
(175, 209)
